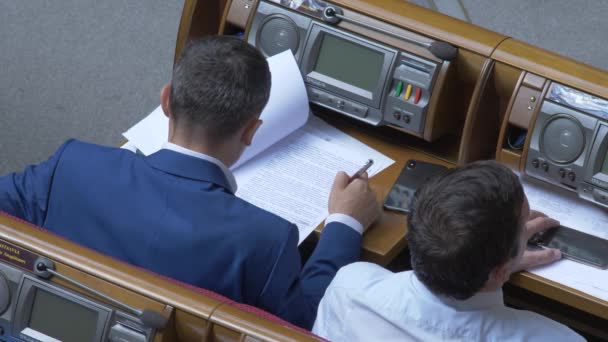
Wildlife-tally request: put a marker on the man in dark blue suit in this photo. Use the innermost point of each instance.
(175, 211)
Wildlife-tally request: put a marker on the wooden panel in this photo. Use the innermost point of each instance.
(482, 125)
(239, 12)
(561, 293)
(524, 105)
(199, 19)
(535, 110)
(229, 323)
(510, 158)
(429, 23)
(553, 66)
(534, 81)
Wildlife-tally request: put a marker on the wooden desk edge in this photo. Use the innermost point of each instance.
(560, 293)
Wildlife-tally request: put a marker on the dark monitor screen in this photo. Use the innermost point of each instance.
(349, 62)
(604, 169)
(62, 319)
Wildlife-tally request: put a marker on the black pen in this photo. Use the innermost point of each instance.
(362, 170)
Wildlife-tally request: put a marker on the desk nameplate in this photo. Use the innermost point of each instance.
(17, 256)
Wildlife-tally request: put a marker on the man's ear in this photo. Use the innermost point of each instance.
(500, 275)
(249, 132)
(165, 93)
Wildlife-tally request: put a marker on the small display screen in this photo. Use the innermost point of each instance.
(62, 319)
(350, 63)
(604, 169)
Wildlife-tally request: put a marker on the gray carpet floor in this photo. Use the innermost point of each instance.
(90, 69)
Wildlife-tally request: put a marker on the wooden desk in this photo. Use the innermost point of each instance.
(488, 92)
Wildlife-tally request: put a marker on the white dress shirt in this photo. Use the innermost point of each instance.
(342, 218)
(366, 302)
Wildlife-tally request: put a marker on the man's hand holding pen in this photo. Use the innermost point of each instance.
(354, 197)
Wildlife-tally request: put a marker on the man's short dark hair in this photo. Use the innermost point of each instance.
(219, 83)
(463, 223)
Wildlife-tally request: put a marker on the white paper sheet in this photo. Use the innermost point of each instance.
(293, 178)
(574, 213)
(150, 133)
(286, 111)
(327, 132)
(287, 108)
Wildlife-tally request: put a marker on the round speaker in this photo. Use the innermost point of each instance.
(562, 139)
(276, 34)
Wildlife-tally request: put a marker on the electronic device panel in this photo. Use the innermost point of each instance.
(347, 73)
(569, 143)
(33, 309)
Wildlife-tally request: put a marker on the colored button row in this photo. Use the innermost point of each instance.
(408, 92)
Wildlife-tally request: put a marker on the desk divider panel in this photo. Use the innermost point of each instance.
(194, 314)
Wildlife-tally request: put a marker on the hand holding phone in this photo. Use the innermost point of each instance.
(574, 245)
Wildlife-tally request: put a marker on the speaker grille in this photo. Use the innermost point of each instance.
(277, 34)
(562, 139)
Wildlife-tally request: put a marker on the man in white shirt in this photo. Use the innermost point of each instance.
(467, 232)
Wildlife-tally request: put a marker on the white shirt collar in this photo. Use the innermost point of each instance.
(479, 301)
(227, 172)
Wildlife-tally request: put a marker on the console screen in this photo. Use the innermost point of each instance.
(62, 319)
(604, 169)
(349, 62)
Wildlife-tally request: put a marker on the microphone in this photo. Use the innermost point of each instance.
(45, 268)
(439, 49)
(153, 319)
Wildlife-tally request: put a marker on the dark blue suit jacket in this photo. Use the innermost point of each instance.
(173, 214)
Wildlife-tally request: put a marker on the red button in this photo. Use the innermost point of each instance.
(417, 96)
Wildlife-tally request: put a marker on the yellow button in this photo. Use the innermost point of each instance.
(408, 92)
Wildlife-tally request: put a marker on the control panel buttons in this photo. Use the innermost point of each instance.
(562, 173)
(535, 163)
(406, 119)
(417, 95)
(358, 110)
(316, 95)
(571, 176)
(340, 104)
(408, 92)
(545, 166)
(397, 115)
(398, 88)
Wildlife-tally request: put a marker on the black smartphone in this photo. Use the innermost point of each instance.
(575, 245)
(411, 177)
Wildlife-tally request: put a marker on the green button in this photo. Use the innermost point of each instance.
(399, 88)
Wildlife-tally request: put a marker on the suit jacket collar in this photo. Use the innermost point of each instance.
(186, 166)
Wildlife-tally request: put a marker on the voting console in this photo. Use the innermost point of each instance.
(32, 309)
(348, 73)
(569, 144)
